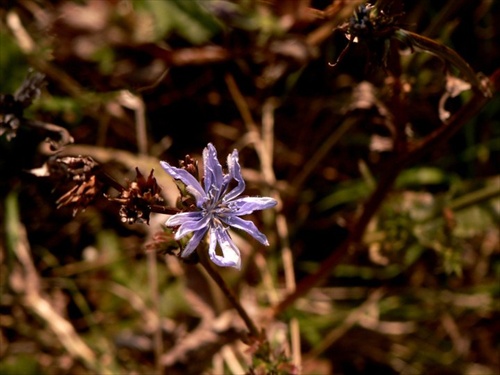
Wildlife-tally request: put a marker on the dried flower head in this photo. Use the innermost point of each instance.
(12, 106)
(137, 200)
(371, 22)
(79, 170)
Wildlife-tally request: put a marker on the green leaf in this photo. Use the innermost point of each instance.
(345, 192)
(472, 221)
(421, 176)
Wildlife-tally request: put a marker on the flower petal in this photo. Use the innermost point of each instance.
(230, 253)
(234, 173)
(192, 184)
(189, 222)
(182, 217)
(247, 205)
(247, 226)
(193, 242)
(214, 179)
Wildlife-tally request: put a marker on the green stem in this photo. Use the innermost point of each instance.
(475, 197)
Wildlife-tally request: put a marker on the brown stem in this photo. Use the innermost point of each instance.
(370, 208)
(205, 262)
(108, 180)
(450, 127)
(399, 162)
(164, 210)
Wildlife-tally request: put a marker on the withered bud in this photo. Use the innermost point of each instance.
(80, 172)
(81, 195)
(190, 165)
(136, 200)
(186, 201)
(76, 168)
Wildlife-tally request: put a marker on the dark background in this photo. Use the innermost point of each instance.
(429, 261)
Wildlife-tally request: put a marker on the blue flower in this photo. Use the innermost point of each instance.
(217, 208)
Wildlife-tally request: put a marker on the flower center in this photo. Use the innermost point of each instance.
(216, 208)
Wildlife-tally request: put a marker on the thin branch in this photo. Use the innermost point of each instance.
(468, 111)
(322, 152)
(205, 262)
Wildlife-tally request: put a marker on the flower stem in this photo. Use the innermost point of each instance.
(205, 262)
(108, 180)
(164, 209)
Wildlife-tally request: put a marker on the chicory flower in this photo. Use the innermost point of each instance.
(218, 207)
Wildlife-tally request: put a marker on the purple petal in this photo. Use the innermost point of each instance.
(247, 226)
(230, 253)
(247, 205)
(188, 222)
(192, 185)
(193, 242)
(214, 179)
(234, 173)
(182, 217)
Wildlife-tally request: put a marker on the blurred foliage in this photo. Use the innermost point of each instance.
(135, 82)
(11, 60)
(187, 19)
